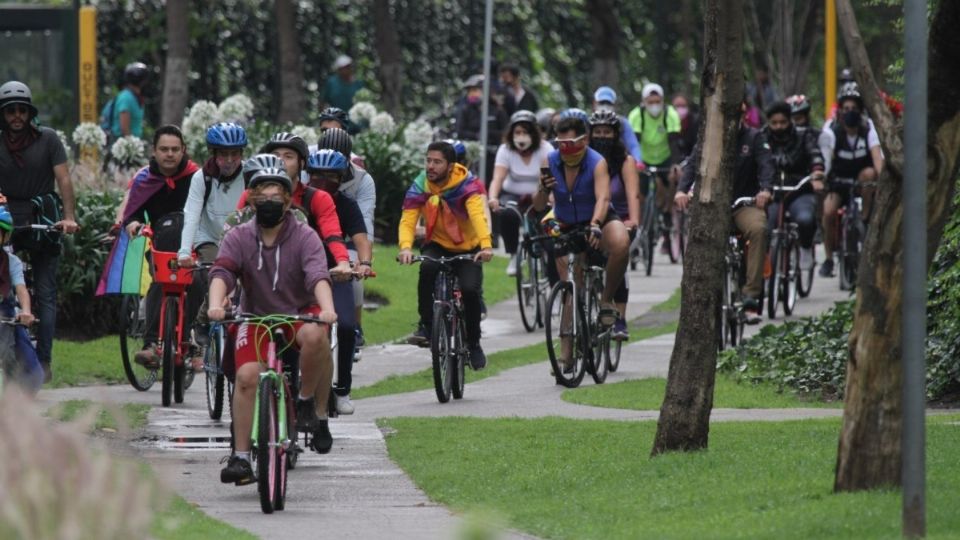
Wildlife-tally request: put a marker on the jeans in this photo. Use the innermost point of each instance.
(45, 299)
(471, 281)
(803, 212)
(344, 305)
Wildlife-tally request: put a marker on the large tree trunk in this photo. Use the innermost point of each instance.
(869, 450)
(606, 42)
(685, 414)
(388, 51)
(292, 102)
(177, 68)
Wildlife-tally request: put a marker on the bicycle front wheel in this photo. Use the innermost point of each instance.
(773, 282)
(132, 325)
(169, 350)
(597, 339)
(791, 276)
(526, 288)
(268, 447)
(458, 359)
(566, 355)
(213, 369)
(440, 349)
(849, 257)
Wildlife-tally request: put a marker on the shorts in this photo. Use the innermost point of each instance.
(252, 341)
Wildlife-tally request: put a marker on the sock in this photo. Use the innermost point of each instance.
(301, 397)
(322, 418)
(244, 456)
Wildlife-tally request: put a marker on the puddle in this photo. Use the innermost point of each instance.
(192, 443)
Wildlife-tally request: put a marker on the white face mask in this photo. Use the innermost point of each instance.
(655, 109)
(522, 141)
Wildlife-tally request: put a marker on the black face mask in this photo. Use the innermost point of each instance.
(269, 213)
(851, 118)
(779, 135)
(603, 145)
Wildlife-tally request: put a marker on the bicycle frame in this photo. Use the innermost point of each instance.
(173, 281)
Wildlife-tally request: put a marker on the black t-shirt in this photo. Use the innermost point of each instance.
(36, 176)
(351, 218)
(164, 201)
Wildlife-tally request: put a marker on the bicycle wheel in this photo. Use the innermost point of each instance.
(849, 255)
(649, 244)
(805, 280)
(791, 276)
(132, 325)
(542, 288)
(613, 355)
(269, 463)
(561, 325)
(726, 309)
(179, 368)
(458, 359)
(440, 350)
(213, 370)
(597, 337)
(773, 282)
(526, 288)
(169, 350)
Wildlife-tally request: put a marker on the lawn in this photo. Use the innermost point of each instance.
(647, 394)
(89, 362)
(563, 478)
(184, 521)
(134, 414)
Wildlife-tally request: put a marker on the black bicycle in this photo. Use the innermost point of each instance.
(533, 286)
(851, 233)
(785, 275)
(642, 246)
(732, 317)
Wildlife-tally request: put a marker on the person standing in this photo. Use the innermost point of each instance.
(469, 119)
(33, 163)
(341, 86)
(524, 98)
(125, 111)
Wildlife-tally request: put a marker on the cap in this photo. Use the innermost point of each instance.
(605, 94)
(651, 88)
(342, 61)
(474, 81)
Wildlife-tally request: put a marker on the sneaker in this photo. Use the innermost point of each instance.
(512, 266)
(195, 359)
(806, 259)
(826, 269)
(620, 332)
(307, 415)
(322, 440)
(201, 334)
(483, 309)
(421, 337)
(238, 471)
(360, 341)
(344, 405)
(47, 372)
(148, 357)
(751, 316)
(478, 360)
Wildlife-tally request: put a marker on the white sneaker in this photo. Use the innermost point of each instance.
(806, 259)
(512, 266)
(344, 405)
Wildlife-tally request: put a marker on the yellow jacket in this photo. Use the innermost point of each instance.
(455, 208)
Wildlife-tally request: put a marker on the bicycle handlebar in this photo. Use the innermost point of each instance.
(444, 260)
(12, 321)
(743, 201)
(795, 187)
(233, 318)
(39, 227)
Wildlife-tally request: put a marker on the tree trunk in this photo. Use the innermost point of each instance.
(388, 51)
(177, 67)
(292, 101)
(869, 450)
(606, 42)
(685, 414)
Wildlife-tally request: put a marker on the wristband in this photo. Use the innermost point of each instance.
(366, 263)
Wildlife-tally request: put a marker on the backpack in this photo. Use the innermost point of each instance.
(106, 117)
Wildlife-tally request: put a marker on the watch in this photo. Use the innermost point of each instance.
(366, 263)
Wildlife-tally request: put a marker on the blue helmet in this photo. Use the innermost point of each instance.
(6, 220)
(327, 160)
(459, 148)
(575, 113)
(226, 135)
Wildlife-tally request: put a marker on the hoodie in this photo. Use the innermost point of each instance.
(453, 211)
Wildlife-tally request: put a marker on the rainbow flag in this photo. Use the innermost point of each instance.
(126, 270)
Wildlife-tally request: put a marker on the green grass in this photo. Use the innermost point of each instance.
(134, 414)
(89, 362)
(184, 521)
(670, 304)
(562, 478)
(647, 394)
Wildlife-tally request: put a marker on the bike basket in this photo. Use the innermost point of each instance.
(166, 270)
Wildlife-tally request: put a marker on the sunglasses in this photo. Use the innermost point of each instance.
(571, 142)
(16, 108)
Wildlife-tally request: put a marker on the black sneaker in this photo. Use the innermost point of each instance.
(238, 471)
(322, 440)
(201, 334)
(478, 360)
(483, 309)
(307, 415)
(826, 269)
(421, 337)
(360, 341)
(47, 372)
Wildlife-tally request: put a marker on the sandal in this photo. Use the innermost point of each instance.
(608, 314)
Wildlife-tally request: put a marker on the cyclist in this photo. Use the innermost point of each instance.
(851, 149)
(545, 122)
(800, 111)
(624, 192)
(327, 169)
(604, 98)
(753, 177)
(689, 124)
(516, 177)
(33, 165)
(580, 182)
(158, 193)
(15, 346)
(284, 271)
(451, 200)
(213, 196)
(795, 154)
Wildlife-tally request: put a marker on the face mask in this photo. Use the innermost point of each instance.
(227, 168)
(269, 213)
(851, 118)
(682, 111)
(655, 110)
(572, 156)
(778, 134)
(522, 141)
(473, 99)
(603, 145)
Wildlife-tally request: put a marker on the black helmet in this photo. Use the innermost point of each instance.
(335, 113)
(523, 116)
(336, 139)
(544, 118)
(16, 92)
(846, 76)
(799, 104)
(135, 73)
(286, 140)
(605, 117)
(850, 90)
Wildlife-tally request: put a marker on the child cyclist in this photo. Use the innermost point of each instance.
(18, 356)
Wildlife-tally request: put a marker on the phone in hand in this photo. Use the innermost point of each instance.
(544, 173)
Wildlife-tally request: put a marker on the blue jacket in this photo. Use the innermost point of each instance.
(574, 207)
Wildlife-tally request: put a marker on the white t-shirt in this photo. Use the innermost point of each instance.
(523, 178)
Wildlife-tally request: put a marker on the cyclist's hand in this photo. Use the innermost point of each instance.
(630, 225)
(484, 255)
(596, 233)
(216, 313)
(133, 227)
(763, 198)
(405, 256)
(817, 185)
(25, 318)
(185, 261)
(342, 271)
(547, 181)
(68, 226)
(681, 200)
(328, 317)
(364, 270)
(494, 205)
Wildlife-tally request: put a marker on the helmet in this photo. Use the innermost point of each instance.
(276, 175)
(544, 118)
(327, 160)
(605, 118)
(135, 73)
(16, 92)
(846, 75)
(575, 113)
(259, 162)
(226, 135)
(286, 140)
(799, 104)
(6, 220)
(522, 116)
(336, 139)
(335, 113)
(459, 148)
(850, 90)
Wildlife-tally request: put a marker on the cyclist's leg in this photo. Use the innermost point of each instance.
(152, 319)
(346, 335)
(45, 291)
(427, 279)
(316, 363)
(509, 224)
(616, 243)
(471, 281)
(752, 224)
(803, 212)
(831, 204)
(868, 174)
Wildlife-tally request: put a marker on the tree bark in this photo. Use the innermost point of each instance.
(292, 100)
(606, 42)
(685, 414)
(388, 51)
(869, 456)
(177, 66)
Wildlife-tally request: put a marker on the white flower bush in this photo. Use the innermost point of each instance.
(306, 133)
(382, 124)
(201, 116)
(362, 112)
(236, 108)
(66, 144)
(418, 135)
(89, 135)
(129, 151)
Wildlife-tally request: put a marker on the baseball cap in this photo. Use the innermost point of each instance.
(605, 93)
(342, 61)
(652, 88)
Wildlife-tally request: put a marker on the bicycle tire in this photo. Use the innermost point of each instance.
(292, 454)
(458, 363)
(597, 338)
(791, 266)
(613, 355)
(562, 297)
(268, 458)
(131, 339)
(213, 371)
(805, 280)
(849, 258)
(773, 282)
(440, 351)
(169, 350)
(526, 294)
(726, 308)
(543, 289)
(650, 244)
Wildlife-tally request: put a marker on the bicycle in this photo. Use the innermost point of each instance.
(574, 314)
(851, 233)
(532, 282)
(732, 318)
(30, 376)
(785, 275)
(642, 246)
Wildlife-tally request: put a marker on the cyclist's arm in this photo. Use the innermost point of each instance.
(62, 173)
(315, 274)
(765, 167)
(500, 169)
(542, 197)
(476, 209)
(876, 153)
(630, 141)
(673, 135)
(328, 223)
(601, 190)
(408, 226)
(23, 298)
(367, 201)
(631, 184)
(689, 170)
(827, 141)
(191, 214)
(218, 292)
(813, 151)
(364, 248)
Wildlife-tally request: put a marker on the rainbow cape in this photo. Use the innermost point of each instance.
(447, 206)
(126, 270)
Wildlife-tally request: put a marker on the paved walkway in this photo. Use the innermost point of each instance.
(356, 491)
